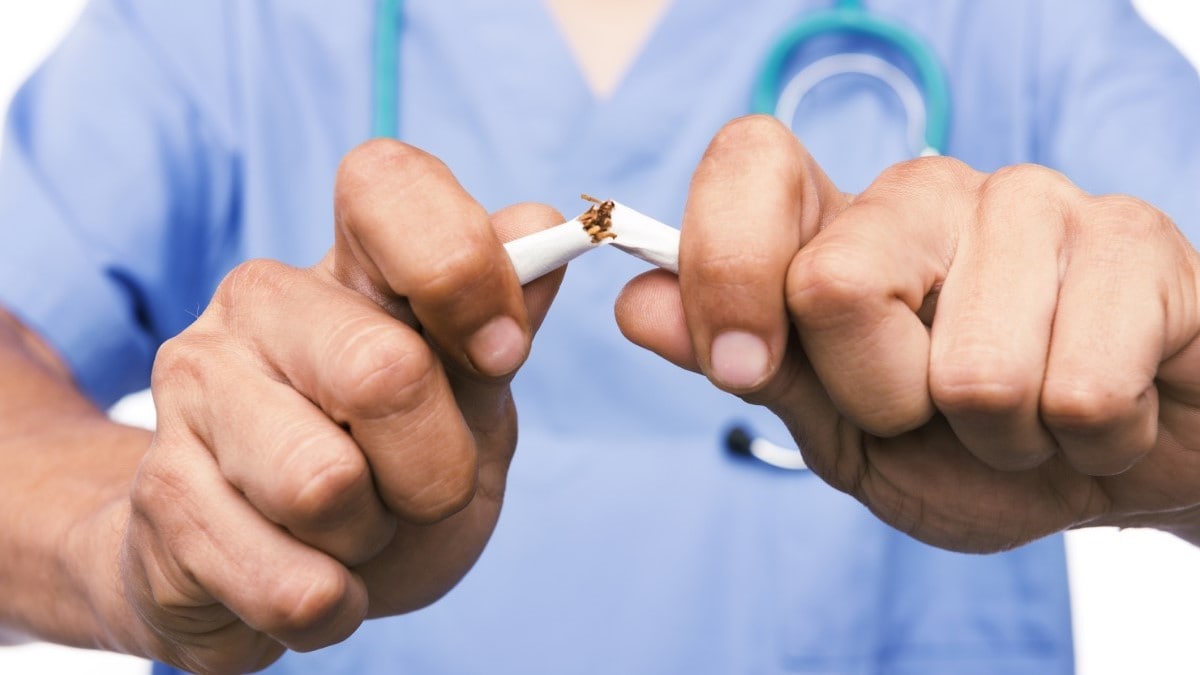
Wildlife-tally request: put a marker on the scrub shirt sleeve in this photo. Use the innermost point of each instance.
(1119, 107)
(112, 186)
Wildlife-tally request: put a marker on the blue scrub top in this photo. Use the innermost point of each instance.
(165, 142)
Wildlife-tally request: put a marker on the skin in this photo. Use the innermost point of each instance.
(606, 37)
(332, 442)
(981, 359)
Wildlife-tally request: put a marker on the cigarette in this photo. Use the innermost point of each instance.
(605, 223)
(643, 237)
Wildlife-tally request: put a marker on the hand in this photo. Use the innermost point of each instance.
(333, 442)
(980, 359)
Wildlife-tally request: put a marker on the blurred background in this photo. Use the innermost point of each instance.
(1135, 593)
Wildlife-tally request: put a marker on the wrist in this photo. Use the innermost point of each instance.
(91, 561)
(63, 509)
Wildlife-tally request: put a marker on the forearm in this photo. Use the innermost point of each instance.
(64, 476)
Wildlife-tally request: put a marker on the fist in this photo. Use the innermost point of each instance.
(981, 359)
(333, 442)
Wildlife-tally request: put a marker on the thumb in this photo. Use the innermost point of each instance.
(757, 197)
(486, 403)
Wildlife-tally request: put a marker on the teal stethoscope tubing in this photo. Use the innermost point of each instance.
(388, 22)
(847, 16)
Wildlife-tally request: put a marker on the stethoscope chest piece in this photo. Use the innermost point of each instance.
(741, 442)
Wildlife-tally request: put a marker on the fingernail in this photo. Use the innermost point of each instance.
(498, 348)
(739, 360)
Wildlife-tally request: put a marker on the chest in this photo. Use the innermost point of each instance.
(495, 90)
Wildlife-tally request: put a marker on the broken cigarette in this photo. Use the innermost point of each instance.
(605, 222)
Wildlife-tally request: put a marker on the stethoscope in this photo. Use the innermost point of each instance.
(925, 98)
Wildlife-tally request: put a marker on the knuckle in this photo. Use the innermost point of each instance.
(404, 165)
(178, 362)
(1126, 217)
(377, 373)
(979, 386)
(154, 485)
(447, 491)
(185, 359)
(891, 420)
(1028, 180)
(760, 139)
(754, 131)
(363, 163)
(933, 175)
(1029, 174)
(165, 587)
(317, 491)
(251, 281)
(183, 375)
(1084, 407)
(305, 605)
(162, 523)
(728, 269)
(456, 273)
(826, 285)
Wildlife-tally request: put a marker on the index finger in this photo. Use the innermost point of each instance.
(407, 229)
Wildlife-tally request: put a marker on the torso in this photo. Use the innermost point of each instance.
(629, 541)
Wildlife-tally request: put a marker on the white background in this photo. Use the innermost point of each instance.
(1136, 593)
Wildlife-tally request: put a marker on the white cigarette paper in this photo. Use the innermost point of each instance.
(540, 253)
(643, 237)
(635, 233)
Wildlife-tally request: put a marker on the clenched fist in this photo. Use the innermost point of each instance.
(333, 442)
(981, 359)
